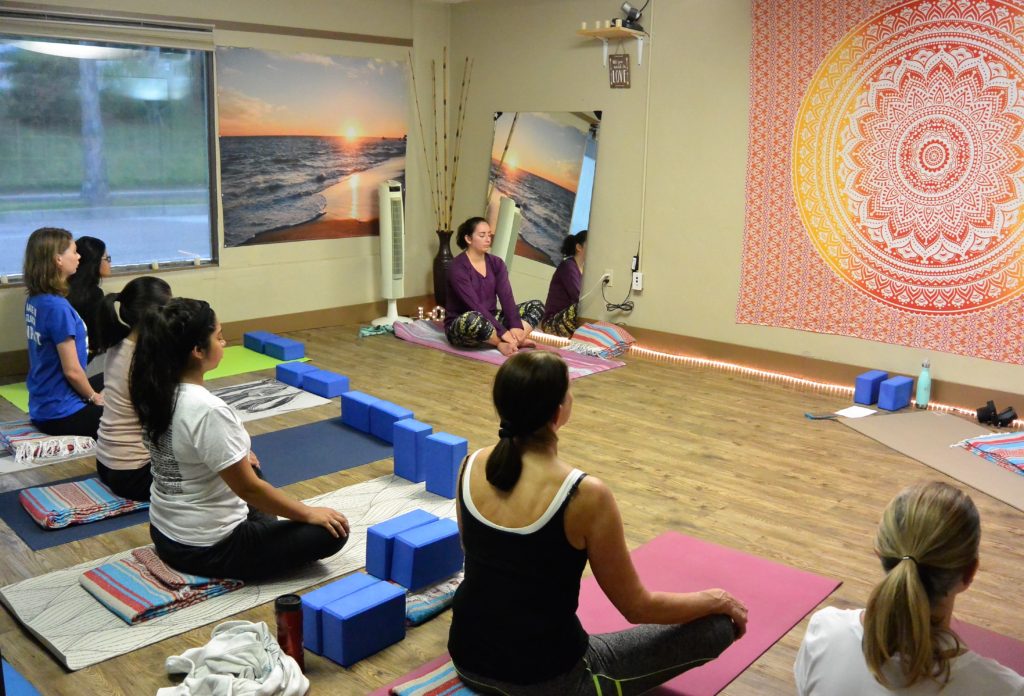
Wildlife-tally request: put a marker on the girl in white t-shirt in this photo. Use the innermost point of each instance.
(211, 513)
(122, 458)
(902, 642)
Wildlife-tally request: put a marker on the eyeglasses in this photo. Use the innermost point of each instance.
(107, 258)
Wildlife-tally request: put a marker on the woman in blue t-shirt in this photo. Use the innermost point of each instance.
(61, 399)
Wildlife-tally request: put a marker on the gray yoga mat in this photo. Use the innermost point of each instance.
(927, 435)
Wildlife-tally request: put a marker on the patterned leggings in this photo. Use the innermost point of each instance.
(563, 323)
(470, 329)
(628, 662)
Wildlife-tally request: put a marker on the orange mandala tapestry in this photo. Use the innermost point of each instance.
(886, 173)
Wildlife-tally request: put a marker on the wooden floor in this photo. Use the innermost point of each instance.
(726, 458)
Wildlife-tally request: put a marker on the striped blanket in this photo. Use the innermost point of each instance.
(601, 339)
(141, 587)
(423, 606)
(443, 681)
(28, 445)
(76, 502)
(1005, 449)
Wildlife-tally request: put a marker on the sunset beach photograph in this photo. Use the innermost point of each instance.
(536, 160)
(305, 140)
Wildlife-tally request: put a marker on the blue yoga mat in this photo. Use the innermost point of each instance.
(16, 684)
(286, 456)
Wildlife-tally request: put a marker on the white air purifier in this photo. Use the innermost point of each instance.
(506, 230)
(392, 250)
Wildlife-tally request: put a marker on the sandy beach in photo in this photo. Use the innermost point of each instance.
(351, 208)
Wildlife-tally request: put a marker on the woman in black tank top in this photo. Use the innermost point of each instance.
(529, 525)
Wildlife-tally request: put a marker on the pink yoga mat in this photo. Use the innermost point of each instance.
(428, 334)
(778, 598)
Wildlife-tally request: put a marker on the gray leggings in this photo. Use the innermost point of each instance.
(627, 662)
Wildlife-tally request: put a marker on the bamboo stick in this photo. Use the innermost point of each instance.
(437, 163)
(423, 141)
(460, 121)
(444, 179)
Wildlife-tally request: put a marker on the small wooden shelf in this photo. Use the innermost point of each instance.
(603, 35)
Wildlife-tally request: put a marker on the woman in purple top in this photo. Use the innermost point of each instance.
(561, 310)
(61, 400)
(475, 280)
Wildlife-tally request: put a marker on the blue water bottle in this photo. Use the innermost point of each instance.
(924, 386)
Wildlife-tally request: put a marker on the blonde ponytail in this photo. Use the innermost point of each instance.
(927, 541)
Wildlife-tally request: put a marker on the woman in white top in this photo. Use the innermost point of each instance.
(902, 642)
(122, 458)
(211, 513)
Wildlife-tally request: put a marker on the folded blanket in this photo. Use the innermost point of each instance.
(600, 339)
(142, 587)
(423, 606)
(29, 445)
(443, 681)
(77, 502)
(1004, 449)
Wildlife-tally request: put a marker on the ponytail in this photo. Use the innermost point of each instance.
(167, 336)
(928, 541)
(570, 242)
(138, 297)
(528, 390)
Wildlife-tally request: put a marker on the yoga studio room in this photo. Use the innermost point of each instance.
(514, 347)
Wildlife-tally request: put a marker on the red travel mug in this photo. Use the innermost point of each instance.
(288, 609)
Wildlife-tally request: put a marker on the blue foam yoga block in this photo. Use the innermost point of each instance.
(380, 540)
(865, 389)
(355, 410)
(442, 455)
(15, 683)
(383, 416)
(291, 373)
(325, 383)
(284, 348)
(364, 622)
(409, 436)
(894, 393)
(426, 554)
(314, 602)
(254, 340)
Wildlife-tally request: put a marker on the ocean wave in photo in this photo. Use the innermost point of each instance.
(274, 182)
(546, 207)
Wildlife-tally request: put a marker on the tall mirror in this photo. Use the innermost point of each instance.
(541, 183)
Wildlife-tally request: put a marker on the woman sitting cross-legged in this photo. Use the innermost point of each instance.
(903, 643)
(561, 308)
(84, 291)
(211, 512)
(122, 458)
(475, 279)
(61, 399)
(529, 525)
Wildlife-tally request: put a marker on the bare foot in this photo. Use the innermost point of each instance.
(506, 348)
(528, 343)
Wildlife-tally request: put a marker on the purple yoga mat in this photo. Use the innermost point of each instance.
(428, 334)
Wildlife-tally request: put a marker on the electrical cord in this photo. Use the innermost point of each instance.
(625, 306)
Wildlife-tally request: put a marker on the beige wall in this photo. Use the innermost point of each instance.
(275, 279)
(529, 58)
(683, 125)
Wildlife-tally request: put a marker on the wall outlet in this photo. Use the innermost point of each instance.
(638, 281)
(606, 277)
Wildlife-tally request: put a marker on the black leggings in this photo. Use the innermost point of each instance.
(259, 548)
(627, 662)
(84, 422)
(132, 484)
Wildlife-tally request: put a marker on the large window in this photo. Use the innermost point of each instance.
(110, 140)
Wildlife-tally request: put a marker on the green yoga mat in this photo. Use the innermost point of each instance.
(237, 360)
(17, 394)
